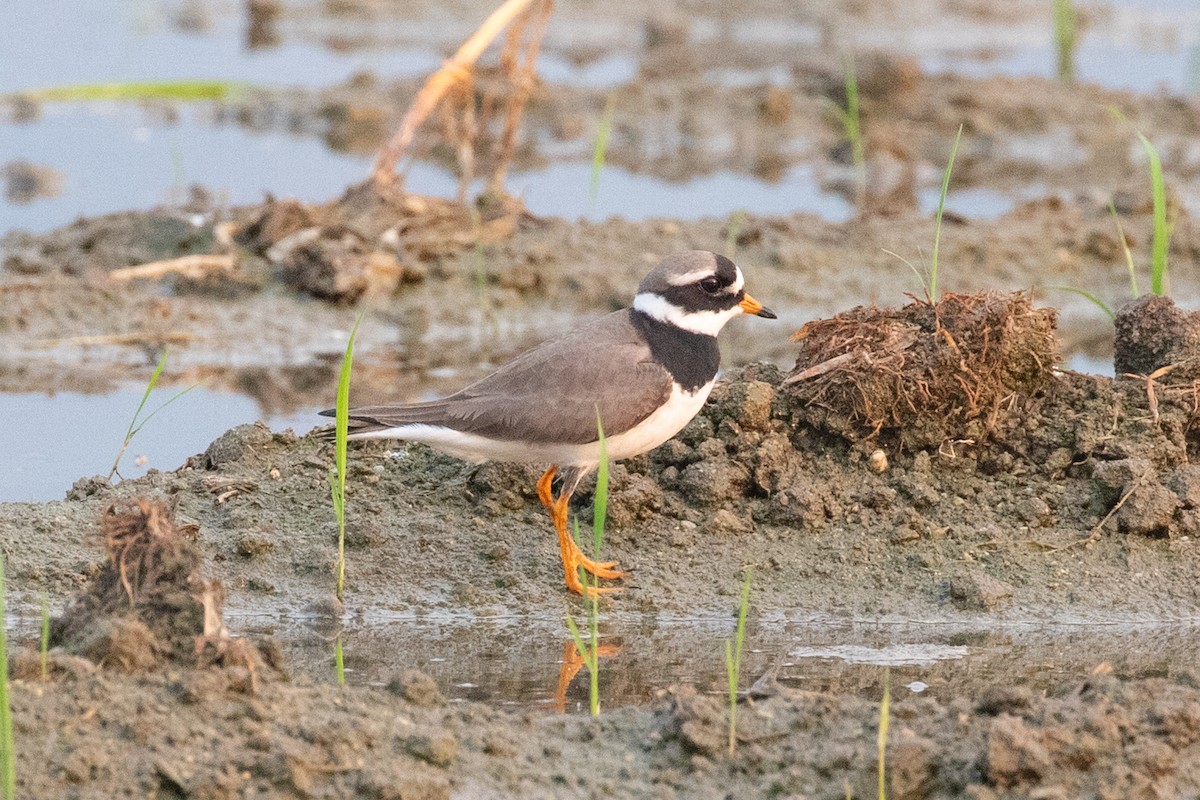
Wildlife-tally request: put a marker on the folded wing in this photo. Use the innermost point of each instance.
(551, 393)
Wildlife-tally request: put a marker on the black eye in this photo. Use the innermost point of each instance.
(710, 285)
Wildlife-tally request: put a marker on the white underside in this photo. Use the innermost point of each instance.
(668, 420)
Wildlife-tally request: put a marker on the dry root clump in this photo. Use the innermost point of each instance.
(926, 375)
(149, 603)
(377, 236)
(371, 241)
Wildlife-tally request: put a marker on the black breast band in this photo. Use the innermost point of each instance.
(692, 358)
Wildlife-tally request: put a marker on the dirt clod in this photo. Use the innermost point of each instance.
(417, 688)
(698, 720)
(149, 604)
(1016, 754)
(1149, 510)
(1152, 332)
(978, 590)
(915, 769)
(438, 749)
(235, 444)
(924, 374)
(713, 482)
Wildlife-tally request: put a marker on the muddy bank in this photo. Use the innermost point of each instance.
(1039, 494)
(446, 292)
(65, 321)
(193, 734)
(1022, 521)
(160, 699)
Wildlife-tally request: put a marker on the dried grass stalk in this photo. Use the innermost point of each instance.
(457, 72)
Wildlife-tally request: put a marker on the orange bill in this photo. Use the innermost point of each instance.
(752, 306)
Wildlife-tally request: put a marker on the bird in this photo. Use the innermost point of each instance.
(642, 373)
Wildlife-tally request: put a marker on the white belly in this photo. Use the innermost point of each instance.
(665, 422)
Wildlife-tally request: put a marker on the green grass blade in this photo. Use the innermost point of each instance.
(600, 151)
(591, 654)
(1162, 235)
(138, 421)
(837, 111)
(342, 418)
(851, 126)
(186, 90)
(937, 232)
(339, 661)
(339, 502)
(1112, 209)
(884, 715)
(733, 658)
(166, 403)
(733, 229)
(921, 278)
(853, 132)
(577, 638)
(594, 658)
(341, 432)
(8, 755)
(733, 679)
(1065, 39)
(1103, 306)
(601, 505)
(130, 431)
(590, 651)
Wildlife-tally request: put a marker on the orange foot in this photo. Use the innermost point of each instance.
(601, 569)
(572, 662)
(572, 557)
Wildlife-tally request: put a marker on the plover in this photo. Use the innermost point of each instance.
(644, 372)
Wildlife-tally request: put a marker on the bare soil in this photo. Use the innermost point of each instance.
(911, 464)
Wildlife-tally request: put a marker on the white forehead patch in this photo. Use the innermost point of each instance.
(695, 275)
(691, 277)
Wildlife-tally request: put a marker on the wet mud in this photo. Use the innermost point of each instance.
(920, 485)
(1076, 501)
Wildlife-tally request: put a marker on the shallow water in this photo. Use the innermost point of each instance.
(518, 661)
(119, 158)
(525, 661)
(78, 435)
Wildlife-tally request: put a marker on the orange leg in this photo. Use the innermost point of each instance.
(545, 494)
(572, 557)
(572, 662)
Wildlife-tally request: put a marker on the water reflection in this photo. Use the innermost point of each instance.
(531, 662)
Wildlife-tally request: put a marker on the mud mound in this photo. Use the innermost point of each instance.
(104, 243)
(925, 373)
(1153, 334)
(149, 603)
(370, 241)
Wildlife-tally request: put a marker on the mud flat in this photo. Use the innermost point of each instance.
(1059, 496)
(918, 486)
